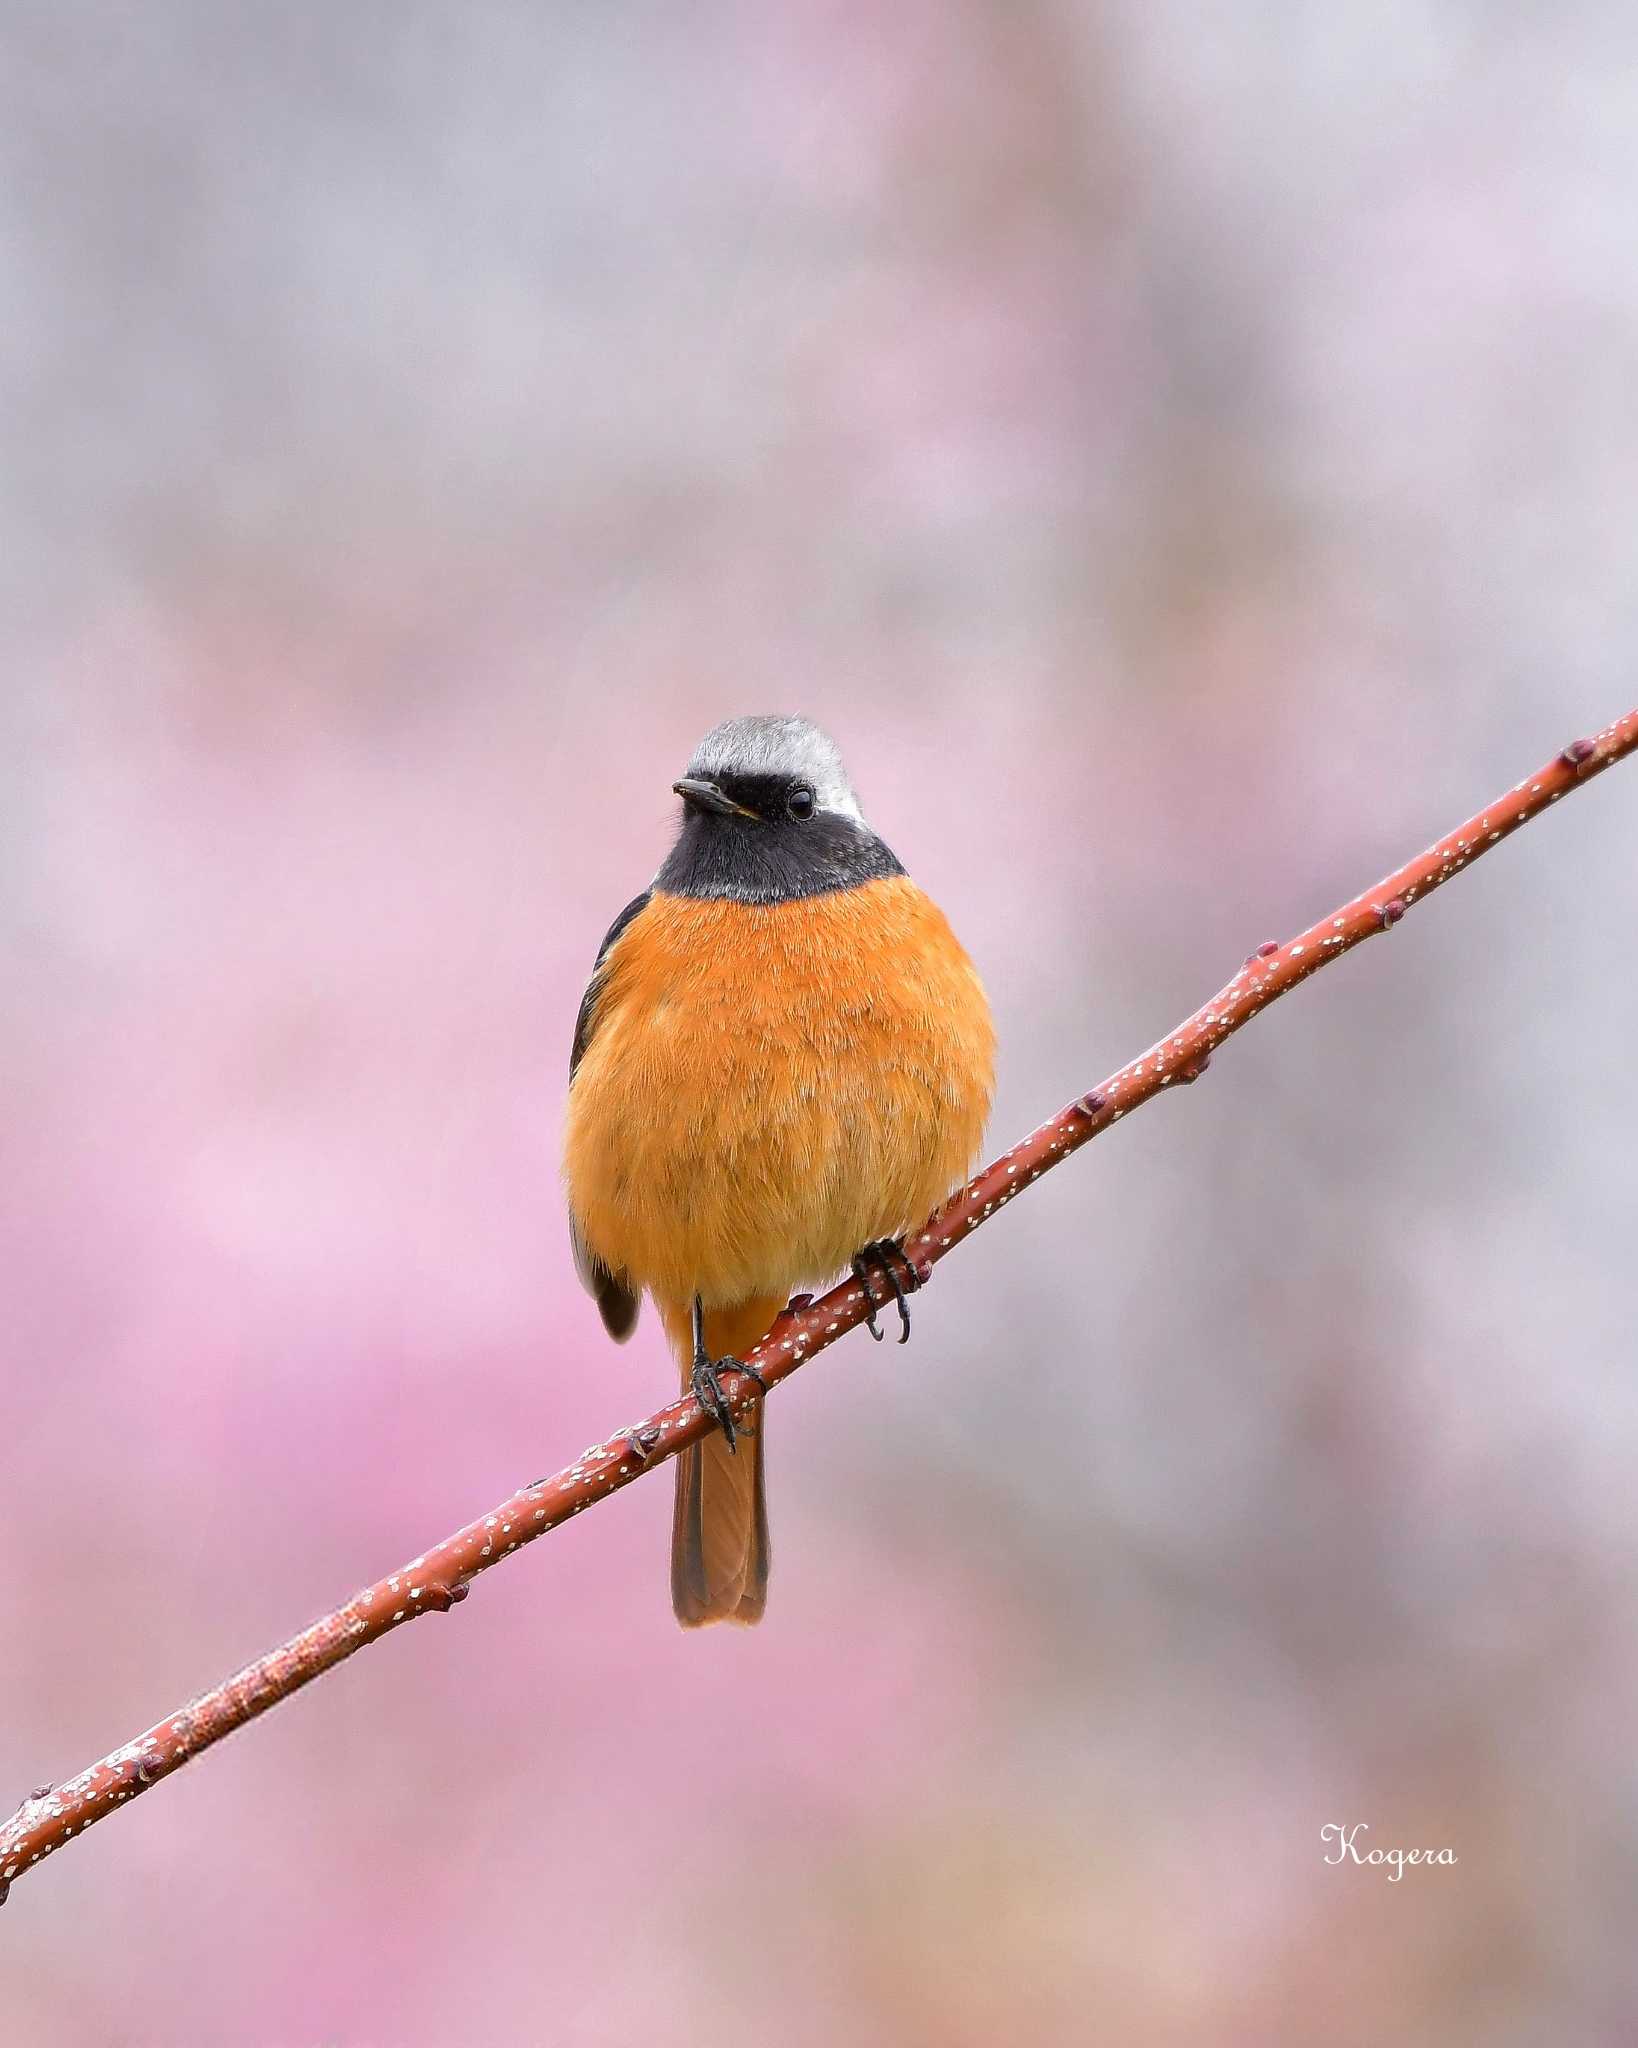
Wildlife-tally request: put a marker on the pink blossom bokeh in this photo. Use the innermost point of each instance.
(1187, 459)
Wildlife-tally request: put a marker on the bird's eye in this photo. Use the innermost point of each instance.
(800, 801)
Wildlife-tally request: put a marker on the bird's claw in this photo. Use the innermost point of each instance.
(888, 1255)
(706, 1382)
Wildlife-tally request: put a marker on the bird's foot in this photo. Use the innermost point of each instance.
(706, 1382)
(888, 1256)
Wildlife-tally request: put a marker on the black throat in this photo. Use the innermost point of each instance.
(755, 860)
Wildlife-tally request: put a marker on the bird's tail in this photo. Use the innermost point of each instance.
(719, 1527)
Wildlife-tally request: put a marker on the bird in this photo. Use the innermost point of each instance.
(783, 1061)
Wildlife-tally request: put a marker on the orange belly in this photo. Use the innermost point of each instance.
(768, 1087)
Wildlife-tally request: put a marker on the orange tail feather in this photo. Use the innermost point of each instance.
(719, 1526)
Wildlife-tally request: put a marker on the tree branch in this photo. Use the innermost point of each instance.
(442, 1576)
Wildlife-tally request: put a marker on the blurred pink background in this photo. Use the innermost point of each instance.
(1187, 457)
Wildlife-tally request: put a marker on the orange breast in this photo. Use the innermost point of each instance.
(768, 1087)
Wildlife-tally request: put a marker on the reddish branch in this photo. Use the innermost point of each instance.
(442, 1576)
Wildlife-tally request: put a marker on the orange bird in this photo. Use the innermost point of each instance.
(784, 1061)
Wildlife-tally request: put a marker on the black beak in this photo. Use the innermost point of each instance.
(705, 796)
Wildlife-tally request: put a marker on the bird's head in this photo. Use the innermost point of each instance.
(769, 771)
(769, 815)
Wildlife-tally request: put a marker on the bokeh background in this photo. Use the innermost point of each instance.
(1187, 456)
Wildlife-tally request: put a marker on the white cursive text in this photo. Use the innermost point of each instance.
(1349, 1848)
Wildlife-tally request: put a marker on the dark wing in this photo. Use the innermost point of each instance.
(616, 1301)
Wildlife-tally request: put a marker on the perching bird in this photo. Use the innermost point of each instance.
(784, 1061)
